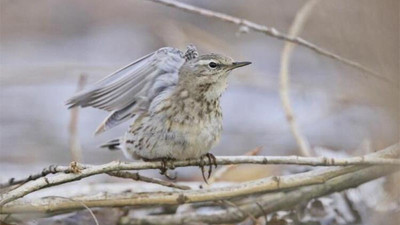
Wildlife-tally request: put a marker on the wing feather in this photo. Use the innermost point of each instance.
(132, 88)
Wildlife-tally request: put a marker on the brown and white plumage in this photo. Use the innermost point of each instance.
(174, 99)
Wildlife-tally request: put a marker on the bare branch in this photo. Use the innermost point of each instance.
(223, 170)
(221, 160)
(83, 170)
(269, 203)
(295, 29)
(138, 177)
(269, 184)
(270, 31)
(52, 169)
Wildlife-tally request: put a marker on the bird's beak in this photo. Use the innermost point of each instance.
(239, 64)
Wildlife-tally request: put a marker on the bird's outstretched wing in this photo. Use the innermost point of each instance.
(132, 88)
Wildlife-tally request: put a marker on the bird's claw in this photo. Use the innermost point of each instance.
(211, 161)
(164, 169)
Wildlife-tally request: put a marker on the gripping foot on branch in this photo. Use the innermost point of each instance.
(211, 161)
(164, 168)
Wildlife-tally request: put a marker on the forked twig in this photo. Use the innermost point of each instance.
(52, 169)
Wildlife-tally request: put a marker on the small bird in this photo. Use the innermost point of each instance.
(173, 98)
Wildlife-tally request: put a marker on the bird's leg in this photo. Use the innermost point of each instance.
(164, 168)
(201, 165)
(211, 161)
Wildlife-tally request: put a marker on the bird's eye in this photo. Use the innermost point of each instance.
(212, 65)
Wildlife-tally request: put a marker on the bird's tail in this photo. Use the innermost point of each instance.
(112, 145)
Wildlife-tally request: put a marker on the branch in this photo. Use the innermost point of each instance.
(189, 196)
(268, 203)
(270, 31)
(219, 173)
(138, 177)
(221, 160)
(284, 89)
(52, 169)
(81, 171)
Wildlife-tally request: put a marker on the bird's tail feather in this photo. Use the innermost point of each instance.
(112, 145)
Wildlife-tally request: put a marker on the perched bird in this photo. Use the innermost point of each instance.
(173, 99)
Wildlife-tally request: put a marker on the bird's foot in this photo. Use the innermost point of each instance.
(164, 168)
(211, 161)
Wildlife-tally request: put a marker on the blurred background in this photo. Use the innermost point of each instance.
(46, 45)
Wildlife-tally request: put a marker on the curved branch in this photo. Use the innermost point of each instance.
(270, 31)
(284, 90)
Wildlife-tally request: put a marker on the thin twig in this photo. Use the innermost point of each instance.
(80, 202)
(270, 184)
(90, 170)
(270, 31)
(138, 177)
(218, 174)
(284, 90)
(242, 212)
(74, 145)
(52, 169)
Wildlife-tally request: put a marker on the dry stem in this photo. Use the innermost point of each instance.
(270, 31)
(295, 29)
(74, 144)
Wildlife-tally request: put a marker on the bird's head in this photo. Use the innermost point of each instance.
(211, 69)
